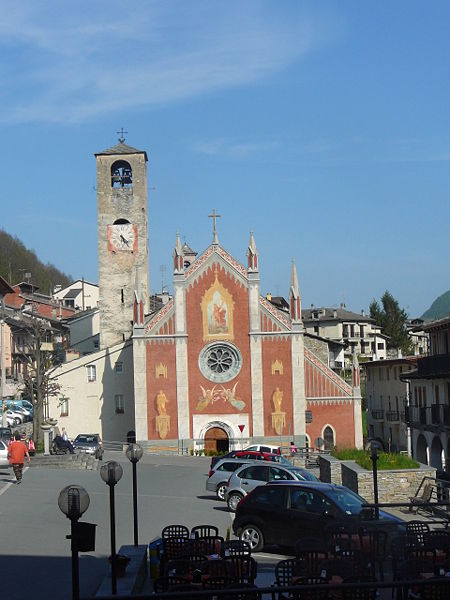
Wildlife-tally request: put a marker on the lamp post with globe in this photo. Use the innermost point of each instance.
(134, 454)
(73, 501)
(111, 473)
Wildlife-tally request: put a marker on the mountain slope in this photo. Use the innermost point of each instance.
(440, 307)
(16, 259)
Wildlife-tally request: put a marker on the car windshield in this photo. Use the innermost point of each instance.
(86, 439)
(347, 500)
(303, 475)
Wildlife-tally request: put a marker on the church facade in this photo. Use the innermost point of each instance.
(219, 363)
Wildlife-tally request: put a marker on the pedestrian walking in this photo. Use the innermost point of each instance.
(16, 456)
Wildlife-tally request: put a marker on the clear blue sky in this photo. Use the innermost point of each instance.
(323, 126)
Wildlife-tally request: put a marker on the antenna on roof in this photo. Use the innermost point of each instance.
(163, 269)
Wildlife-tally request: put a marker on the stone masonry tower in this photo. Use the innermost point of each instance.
(122, 238)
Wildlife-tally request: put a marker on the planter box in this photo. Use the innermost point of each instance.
(393, 486)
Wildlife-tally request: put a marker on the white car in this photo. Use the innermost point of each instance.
(16, 417)
(4, 462)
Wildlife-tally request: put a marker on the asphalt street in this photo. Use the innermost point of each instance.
(34, 552)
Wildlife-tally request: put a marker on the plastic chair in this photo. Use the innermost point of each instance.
(313, 594)
(313, 559)
(175, 531)
(417, 529)
(201, 531)
(205, 545)
(286, 570)
(235, 548)
(244, 568)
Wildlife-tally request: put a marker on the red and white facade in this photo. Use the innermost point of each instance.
(219, 356)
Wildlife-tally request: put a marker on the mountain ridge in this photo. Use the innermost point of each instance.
(439, 308)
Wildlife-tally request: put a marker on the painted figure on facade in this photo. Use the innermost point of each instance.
(206, 399)
(278, 416)
(217, 315)
(230, 396)
(162, 418)
(161, 401)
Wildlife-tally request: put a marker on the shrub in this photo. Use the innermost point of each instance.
(386, 461)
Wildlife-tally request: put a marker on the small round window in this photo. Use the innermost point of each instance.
(220, 362)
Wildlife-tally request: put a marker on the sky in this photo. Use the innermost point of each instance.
(322, 126)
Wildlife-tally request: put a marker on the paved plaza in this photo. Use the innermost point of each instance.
(34, 553)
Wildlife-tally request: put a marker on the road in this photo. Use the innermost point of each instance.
(34, 553)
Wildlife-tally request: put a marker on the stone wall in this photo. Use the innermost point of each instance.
(393, 486)
(318, 347)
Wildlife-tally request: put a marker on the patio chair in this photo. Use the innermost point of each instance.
(172, 549)
(417, 529)
(217, 568)
(175, 531)
(438, 540)
(235, 548)
(205, 545)
(313, 594)
(286, 570)
(313, 559)
(244, 568)
(201, 531)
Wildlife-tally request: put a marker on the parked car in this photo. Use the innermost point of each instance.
(90, 443)
(280, 513)
(264, 448)
(4, 462)
(248, 477)
(218, 476)
(251, 455)
(14, 418)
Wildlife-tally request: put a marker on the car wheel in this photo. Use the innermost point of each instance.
(17, 421)
(253, 536)
(221, 490)
(233, 501)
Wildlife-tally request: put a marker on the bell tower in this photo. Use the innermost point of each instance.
(122, 238)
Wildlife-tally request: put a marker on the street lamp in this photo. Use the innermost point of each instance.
(374, 446)
(134, 454)
(111, 473)
(73, 501)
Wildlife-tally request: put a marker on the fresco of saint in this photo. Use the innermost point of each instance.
(217, 315)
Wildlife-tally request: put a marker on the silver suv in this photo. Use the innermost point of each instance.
(218, 476)
(248, 477)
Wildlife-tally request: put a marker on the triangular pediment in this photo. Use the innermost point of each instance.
(215, 254)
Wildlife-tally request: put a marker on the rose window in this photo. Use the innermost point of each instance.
(220, 362)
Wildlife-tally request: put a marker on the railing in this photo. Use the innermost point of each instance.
(392, 415)
(436, 415)
(378, 414)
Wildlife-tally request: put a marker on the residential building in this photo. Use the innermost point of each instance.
(84, 331)
(80, 294)
(428, 414)
(358, 332)
(387, 397)
(419, 338)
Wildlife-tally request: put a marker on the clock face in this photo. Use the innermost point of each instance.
(122, 237)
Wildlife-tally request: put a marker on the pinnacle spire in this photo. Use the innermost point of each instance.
(252, 254)
(294, 280)
(178, 261)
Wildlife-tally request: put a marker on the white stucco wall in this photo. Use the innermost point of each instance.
(92, 404)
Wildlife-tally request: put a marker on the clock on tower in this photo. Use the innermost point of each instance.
(122, 238)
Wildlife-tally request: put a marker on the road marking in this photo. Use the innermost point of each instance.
(10, 483)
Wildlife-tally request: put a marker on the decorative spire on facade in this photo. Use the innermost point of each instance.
(355, 371)
(178, 260)
(252, 254)
(295, 307)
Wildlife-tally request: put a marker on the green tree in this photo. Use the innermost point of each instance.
(392, 319)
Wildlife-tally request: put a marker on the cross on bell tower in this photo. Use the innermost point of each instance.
(214, 216)
(121, 135)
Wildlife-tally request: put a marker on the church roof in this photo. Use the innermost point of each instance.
(121, 148)
(187, 249)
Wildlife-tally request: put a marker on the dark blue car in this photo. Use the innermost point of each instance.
(280, 513)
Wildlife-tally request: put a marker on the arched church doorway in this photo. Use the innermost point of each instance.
(328, 436)
(216, 440)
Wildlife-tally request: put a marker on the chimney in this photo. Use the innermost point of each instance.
(363, 314)
(342, 305)
(323, 312)
(335, 313)
(312, 306)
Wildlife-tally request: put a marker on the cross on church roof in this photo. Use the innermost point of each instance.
(121, 134)
(214, 216)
